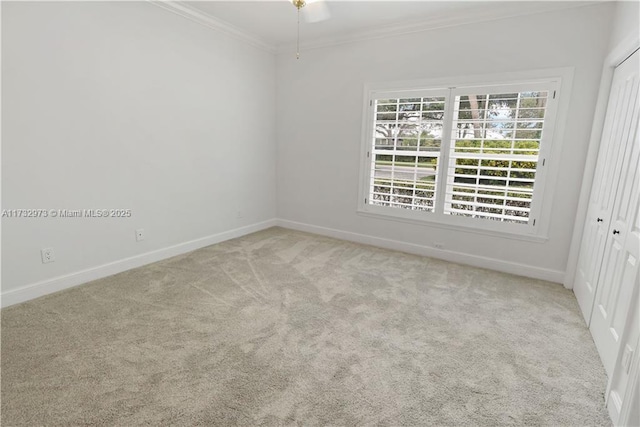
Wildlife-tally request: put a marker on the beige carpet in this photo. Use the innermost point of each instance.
(285, 328)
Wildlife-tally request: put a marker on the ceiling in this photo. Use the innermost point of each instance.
(274, 21)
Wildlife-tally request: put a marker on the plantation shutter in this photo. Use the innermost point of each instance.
(405, 153)
(494, 153)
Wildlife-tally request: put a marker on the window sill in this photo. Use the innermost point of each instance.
(454, 227)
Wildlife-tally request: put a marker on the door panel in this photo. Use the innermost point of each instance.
(591, 252)
(617, 283)
(622, 390)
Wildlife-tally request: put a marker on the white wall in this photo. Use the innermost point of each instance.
(319, 117)
(126, 105)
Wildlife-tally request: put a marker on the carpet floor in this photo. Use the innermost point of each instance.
(287, 328)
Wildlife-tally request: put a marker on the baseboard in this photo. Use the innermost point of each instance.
(458, 257)
(56, 284)
(60, 283)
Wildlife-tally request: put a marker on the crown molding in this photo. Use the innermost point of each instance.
(479, 15)
(216, 24)
(437, 22)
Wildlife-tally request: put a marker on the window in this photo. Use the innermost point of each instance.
(474, 156)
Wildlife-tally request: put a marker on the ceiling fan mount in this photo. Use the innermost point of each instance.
(299, 4)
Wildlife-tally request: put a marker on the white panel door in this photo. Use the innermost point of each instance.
(621, 110)
(619, 272)
(622, 391)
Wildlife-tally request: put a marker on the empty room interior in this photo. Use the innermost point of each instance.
(341, 213)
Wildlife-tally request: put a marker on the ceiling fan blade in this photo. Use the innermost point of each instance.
(316, 11)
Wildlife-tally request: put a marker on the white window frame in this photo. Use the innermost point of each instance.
(558, 81)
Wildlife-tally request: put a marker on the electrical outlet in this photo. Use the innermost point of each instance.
(47, 255)
(139, 234)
